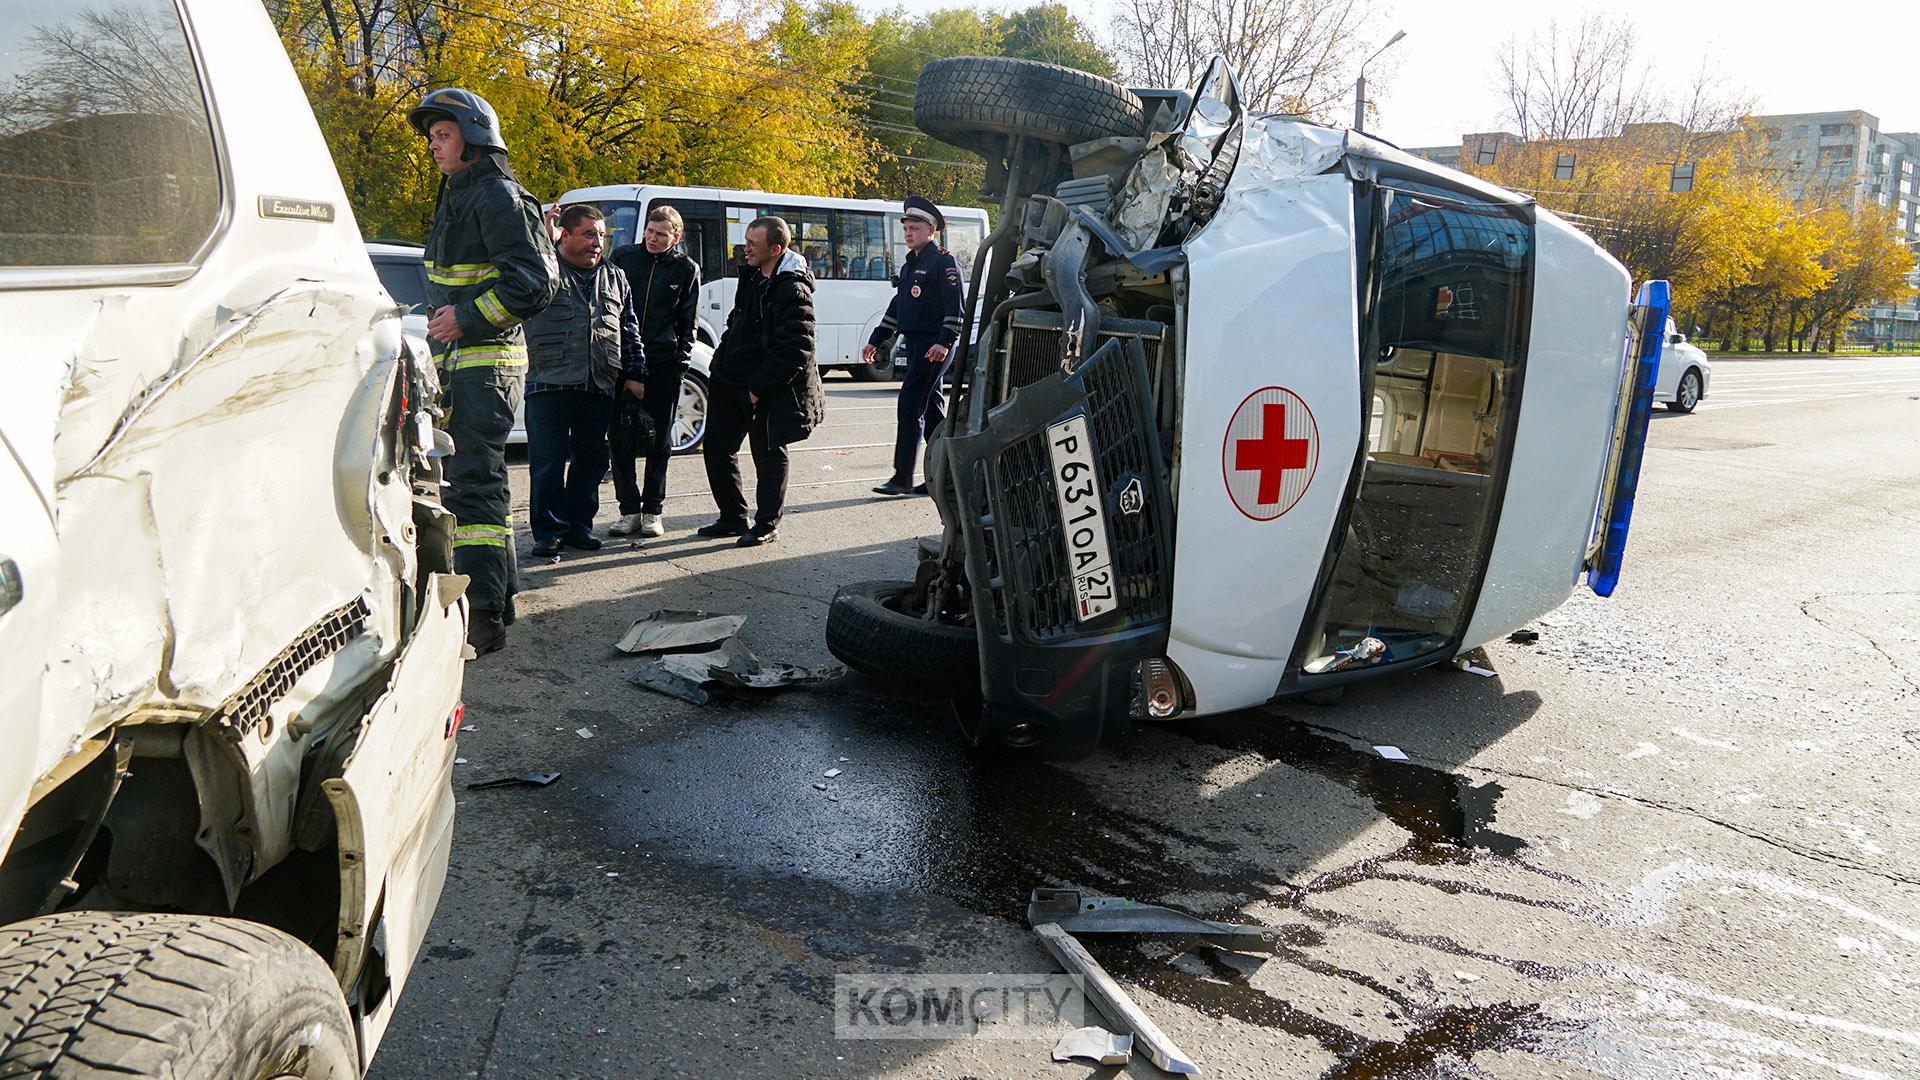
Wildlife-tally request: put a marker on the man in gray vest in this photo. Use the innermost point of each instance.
(582, 350)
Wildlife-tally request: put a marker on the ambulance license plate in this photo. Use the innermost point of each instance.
(1076, 484)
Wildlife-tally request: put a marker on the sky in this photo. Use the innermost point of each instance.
(1799, 57)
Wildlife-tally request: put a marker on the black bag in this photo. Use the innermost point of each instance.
(633, 416)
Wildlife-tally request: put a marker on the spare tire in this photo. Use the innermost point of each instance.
(967, 100)
(869, 633)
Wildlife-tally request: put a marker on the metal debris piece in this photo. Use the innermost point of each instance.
(1461, 663)
(1106, 994)
(1524, 636)
(1080, 914)
(534, 779)
(683, 675)
(1391, 753)
(583, 733)
(1098, 1045)
(678, 631)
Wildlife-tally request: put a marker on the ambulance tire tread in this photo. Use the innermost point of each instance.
(867, 632)
(968, 100)
(94, 994)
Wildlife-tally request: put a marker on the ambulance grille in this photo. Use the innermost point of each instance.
(247, 709)
(1027, 517)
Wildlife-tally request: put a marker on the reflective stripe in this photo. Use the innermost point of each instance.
(489, 304)
(461, 273)
(502, 356)
(481, 535)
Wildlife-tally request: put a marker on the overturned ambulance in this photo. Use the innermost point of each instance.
(1258, 408)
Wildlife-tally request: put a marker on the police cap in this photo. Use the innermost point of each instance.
(921, 208)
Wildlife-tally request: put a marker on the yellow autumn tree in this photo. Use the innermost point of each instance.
(588, 91)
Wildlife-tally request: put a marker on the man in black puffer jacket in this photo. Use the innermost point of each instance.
(766, 388)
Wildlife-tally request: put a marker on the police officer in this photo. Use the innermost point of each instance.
(490, 265)
(925, 310)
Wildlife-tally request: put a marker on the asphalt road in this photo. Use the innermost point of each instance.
(1673, 838)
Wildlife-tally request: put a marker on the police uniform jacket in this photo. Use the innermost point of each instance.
(928, 300)
(490, 257)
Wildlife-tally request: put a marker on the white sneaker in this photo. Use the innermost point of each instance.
(649, 525)
(626, 525)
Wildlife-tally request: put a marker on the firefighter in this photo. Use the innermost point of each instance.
(926, 309)
(490, 265)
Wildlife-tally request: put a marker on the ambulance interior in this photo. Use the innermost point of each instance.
(1448, 327)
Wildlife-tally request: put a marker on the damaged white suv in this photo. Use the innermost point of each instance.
(230, 638)
(1260, 407)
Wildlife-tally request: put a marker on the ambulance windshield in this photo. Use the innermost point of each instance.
(1447, 345)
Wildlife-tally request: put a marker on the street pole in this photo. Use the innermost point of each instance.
(1360, 81)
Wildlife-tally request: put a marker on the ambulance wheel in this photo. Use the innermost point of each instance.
(91, 994)
(1687, 394)
(870, 633)
(969, 101)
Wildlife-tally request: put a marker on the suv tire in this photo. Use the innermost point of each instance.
(90, 994)
(969, 101)
(869, 633)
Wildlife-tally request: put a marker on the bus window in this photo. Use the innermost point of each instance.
(963, 239)
(704, 235)
(623, 220)
(860, 245)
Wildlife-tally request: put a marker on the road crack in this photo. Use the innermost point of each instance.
(738, 580)
(1898, 666)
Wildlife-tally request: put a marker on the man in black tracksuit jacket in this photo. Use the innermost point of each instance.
(766, 388)
(666, 294)
(490, 266)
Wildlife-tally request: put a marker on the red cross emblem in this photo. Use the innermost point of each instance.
(1271, 449)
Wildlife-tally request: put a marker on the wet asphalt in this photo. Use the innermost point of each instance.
(1673, 837)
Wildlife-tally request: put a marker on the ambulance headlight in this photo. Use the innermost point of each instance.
(1159, 692)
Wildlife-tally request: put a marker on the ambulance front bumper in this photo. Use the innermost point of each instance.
(1054, 680)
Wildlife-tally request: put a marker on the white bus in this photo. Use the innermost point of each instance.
(855, 247)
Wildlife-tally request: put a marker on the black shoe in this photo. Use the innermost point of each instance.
(546, 549)
(486, 632)
(919, 489)
(759, 534)
(723, 527)
(588, 542)
(894, 487)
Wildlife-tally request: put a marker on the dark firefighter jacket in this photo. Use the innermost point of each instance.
(490, 257)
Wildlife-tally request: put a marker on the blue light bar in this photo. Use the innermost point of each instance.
(1653, 302)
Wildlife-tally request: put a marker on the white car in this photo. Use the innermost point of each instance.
(1263, 408)
(405, 276)
(1684, 373)
(230, 635)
